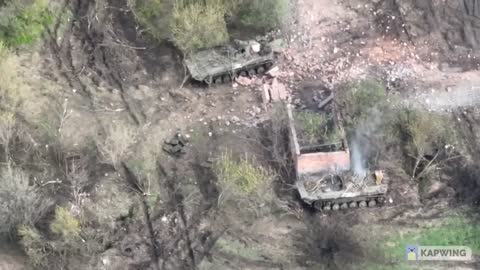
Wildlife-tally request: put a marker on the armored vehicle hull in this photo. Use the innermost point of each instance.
(324, 178)
(223, 64)
(334, 192)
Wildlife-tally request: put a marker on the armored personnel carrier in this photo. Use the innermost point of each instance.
(324, 175)
(223, 64)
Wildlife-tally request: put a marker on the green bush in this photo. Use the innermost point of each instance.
(312, 125)
(65, 225)
(197, 24)
(316, 128)
(263, 15)
(3, 50)
(422, 131)
(360, 98)
(34, 245)
(23, 24)
(154, 15)
(241, 175)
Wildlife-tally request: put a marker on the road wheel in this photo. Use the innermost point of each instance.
(344, 206)
(336, 207)
(208, 80)
(260, 70)
(226, 78)
(317, 205)
(327, 207)
(372, 203)
(362, 204)
(353, 205)
(243, 73)
(252, 72)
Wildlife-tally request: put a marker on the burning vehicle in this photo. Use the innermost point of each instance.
(325, 177)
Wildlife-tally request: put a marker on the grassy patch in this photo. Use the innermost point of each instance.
(423, 131)
(154, 15)
(65, 225)
(458, 231)
(263, 15)
(242, 175)
(34, 245)
(199, 25)
(316, 128)
(191, 26)
(239, 250)
(23, 24)
(360, 98)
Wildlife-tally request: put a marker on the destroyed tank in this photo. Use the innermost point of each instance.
(223, 64)
(324, 175)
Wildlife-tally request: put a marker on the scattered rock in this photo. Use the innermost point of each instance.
(434, 189)
(235, 119)
(278, 91)
(274, 72)
(243, 81)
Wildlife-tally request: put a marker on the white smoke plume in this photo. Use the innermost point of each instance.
(361, 143)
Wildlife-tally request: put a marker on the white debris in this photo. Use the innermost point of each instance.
(235, 119)
(274, 72)
(243, 81)
(255, 47)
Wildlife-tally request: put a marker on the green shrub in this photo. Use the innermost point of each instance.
(263, 15)
(154, 15)
(360, 98)
(423, 133)
(3, 50)
(65, 225)
(241, 175)
(311, 125)
(316, 128)
(198, 25)
(34, 245)
(22, 24)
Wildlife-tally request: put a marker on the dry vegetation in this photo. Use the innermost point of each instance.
(117, 144)
(20, 202)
